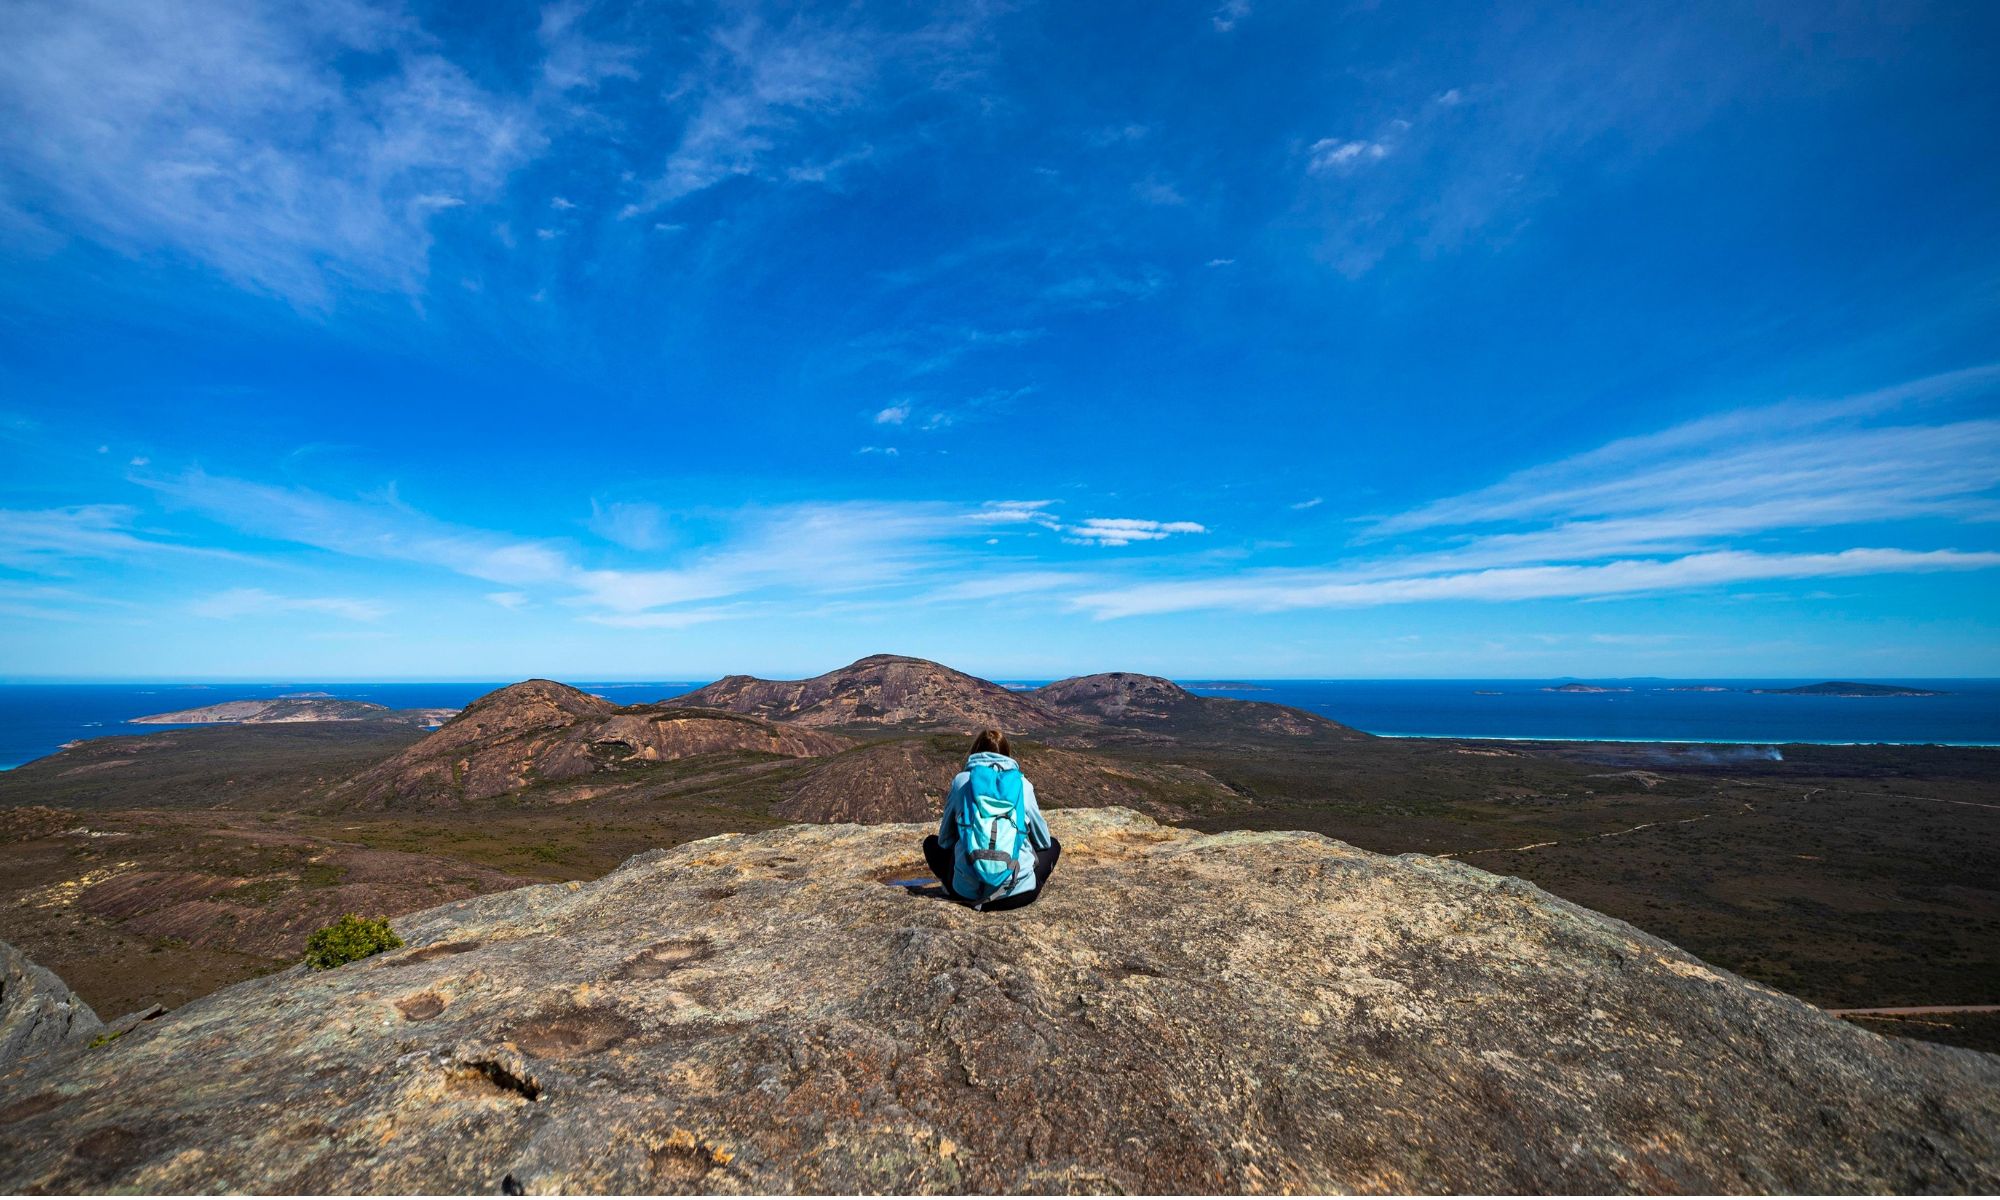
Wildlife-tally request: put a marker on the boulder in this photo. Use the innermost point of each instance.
(38, 1012)
(1181, 1012)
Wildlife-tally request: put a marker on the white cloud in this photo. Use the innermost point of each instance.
(1229, 15)
(1280, 591)
(1302, 505)
(574, 61)
(662, 620)
(1221, 262)
(1103, 287)
(756, 86)
(248, 602)
(895, 414)
(384, 529)
(1123, 531)
(224, 132)
(1092, 531)
(1008, 512)
(1334, 154)
(43, 539)
(1659, 512)
(764, 554)
(1779, 466)
(634, 525)
(995, 586)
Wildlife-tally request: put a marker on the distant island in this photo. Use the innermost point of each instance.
(1849, 690)
(1227, 685)
(1577, 689)
(290, 709)
(1700, 687)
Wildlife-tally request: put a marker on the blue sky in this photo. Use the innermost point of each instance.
(353, 340)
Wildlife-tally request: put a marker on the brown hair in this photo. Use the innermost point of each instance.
(992, 741)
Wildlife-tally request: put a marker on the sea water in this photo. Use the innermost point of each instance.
(37, 719)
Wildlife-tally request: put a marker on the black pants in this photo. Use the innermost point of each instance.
(1045, 864)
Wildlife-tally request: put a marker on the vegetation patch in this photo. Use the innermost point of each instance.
(349, 939)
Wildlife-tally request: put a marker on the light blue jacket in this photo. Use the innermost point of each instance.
(1037, 827)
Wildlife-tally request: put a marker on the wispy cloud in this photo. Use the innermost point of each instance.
(1336, 154)
(42, 540)
(1090, 531)
(763, 554)
(680, 619)
(572, 59)
(1661, 512)
(1280, 591)
(772, 98)
(1229, 15)
(1123, 531)
(43, 602)
(248, 602)
(380, 529)
(225, 133)
(1788, 465)
(635, 525)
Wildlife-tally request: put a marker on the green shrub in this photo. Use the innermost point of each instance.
(348, 939)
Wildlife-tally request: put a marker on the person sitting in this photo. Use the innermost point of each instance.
(993, 849)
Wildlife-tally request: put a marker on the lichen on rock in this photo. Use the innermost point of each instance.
(1181, 1012)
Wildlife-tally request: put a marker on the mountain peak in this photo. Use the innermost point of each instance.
(1113, 693)
(540, 731)
(534, 699)
(881, 689)
(1148, 702)
(760, 1013)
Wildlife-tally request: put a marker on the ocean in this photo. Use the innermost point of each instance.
(37, 719)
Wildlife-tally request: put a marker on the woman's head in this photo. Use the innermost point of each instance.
(992, 741)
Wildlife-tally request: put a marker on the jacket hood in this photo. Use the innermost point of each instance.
(987, 756)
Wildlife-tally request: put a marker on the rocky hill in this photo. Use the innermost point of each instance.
(1245, 1012)
(545, 732)
(905, 780)
(289, 709)
(883, 689)
(1148, 702)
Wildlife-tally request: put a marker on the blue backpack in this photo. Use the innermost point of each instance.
(990, 824)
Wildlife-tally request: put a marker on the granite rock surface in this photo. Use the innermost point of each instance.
(1181, 1012)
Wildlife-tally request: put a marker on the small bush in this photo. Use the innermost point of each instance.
(349, 939)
